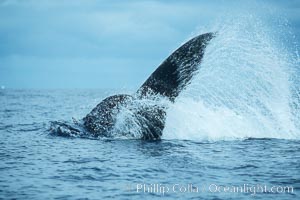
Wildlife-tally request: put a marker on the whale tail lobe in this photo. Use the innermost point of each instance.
(170, 78)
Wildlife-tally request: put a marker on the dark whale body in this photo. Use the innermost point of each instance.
(168, 80)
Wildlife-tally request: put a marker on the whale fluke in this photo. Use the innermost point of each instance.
(168, 80)
(177, 70)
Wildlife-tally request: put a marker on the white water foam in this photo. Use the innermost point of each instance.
(130, 124)
(245, 88)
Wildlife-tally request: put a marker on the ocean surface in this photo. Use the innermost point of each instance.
(232, 133)
(37, 165)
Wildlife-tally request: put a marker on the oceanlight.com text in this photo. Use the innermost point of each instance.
(163, 189)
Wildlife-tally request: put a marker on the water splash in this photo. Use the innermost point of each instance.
(246, 87)
(141, 116)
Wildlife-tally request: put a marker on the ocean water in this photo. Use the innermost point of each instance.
(233, 133)
(37, 165)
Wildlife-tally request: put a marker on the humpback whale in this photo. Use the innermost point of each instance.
(167, 81)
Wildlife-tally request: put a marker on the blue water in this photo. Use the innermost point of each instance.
(36, 165)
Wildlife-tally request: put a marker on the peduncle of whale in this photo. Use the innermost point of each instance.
(168, 80)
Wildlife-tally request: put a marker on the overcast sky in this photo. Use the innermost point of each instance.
(105, 43)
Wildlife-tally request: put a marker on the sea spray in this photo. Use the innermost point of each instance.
(245, 87)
